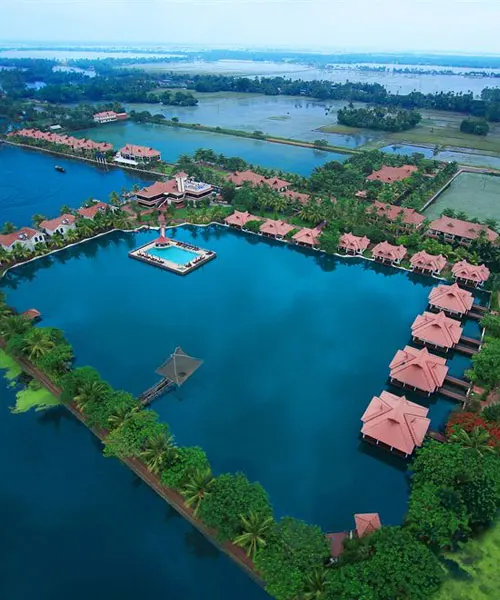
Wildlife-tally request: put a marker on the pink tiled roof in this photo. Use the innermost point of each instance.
(308, 236)
(64, 140)
(475, 273)
(451, 298)
(395, 421)
(273, 227)
(392, 174)
(91, 211)
(239, 218)
(409, 216)
(296, 196)
(239, 178)
(361, 194)
(336, 541)
(53, 224)
(389, 252)
(419, 369)
(428, 262)
(156, 189)
(276, 183)
(23, 234)
(139, 151)
(437, 329)
(367, 523)
(106, 114)
(354, 243)
(463, 229)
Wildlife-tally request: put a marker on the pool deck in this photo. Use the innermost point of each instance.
(142, 254)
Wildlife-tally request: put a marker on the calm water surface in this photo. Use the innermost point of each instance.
(464, 158)
(295, 345)
(77, 525)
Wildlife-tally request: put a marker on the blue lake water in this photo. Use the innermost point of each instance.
(177, 255)
(172, 142)
(465, 158)
(77, 525)
(294, 345)
(29, 184)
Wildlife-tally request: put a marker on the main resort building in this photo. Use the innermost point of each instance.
(174, 192)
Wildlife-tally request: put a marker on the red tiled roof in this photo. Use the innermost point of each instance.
(272, 227)
(428, 262)
(354, 243)
(53, 224)
(475, 273)
(409, 216)
(391, 174)
(139, 151)
(239, 218)
(25, 233)
(396, 422)
(31, 314)
(419, 369)
(91, 211)
(296, 196)
(361, 194)
(308, 236)
(336, 541)
(239, 178)
(367, 523)
(451, 298)
(156, 189)
(64, 140)
(389, 252)
(463, 229)
(437, 329)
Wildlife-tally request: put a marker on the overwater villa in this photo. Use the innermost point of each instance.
(308, 237)
(90, 212)
(462, 232)
(427, 263)
(276, 229)
(73, 143)
(239, 219)
(451, 299)
(27, 237)
(388, 253)
(174, 192)
(248, 176)
(418, 369)
(61, 224)
(436, 329)
(353, 244)
(391, 174)
(394, 423)
(473, 275)
(406, 218)
(134, 155)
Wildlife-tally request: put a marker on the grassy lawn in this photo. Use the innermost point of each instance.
(8, 364)
(479, 559)
(39, 399)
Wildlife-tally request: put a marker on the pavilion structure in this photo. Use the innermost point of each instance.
(473, 275)
(397, 424)
(353, 244)
(239, 219)
(418, 370)
(438, 330)
(428, 263)
(388, 253)
(367, 523)
(451, 299)
(307, 237)
(276, 229)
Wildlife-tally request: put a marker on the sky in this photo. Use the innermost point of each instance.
(468, 26)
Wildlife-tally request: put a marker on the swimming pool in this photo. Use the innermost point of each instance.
(179, 256)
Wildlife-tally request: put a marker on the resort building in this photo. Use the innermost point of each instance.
(132, 154)
(406, 218)
(367, 523)
(275, 229)
(25, 237)
(388, 253)
(396, 424)
(451, 298)
(418, 369)
(75, 144)
(436, 329)
(353, 244)
(61, 224)
(391, 174)
(361, 194)
(296, 197)
(474, 275)
(108, 116)
(428, 263)
(174, 191)
(239, 219)
(308, 237)
(462, 232)
(248, 176)
(90, 212)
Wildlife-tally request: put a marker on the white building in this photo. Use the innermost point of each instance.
(61, 224)
(25, 237)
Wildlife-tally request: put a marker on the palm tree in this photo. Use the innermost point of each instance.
(119, 415)
(37, 219)
(19, 252)
(159, 453)
(197, 488)
(38, 343)
(89, 392)
(114, 198)
(12, 325)
(478, 439)
(255, 528)
(8, 227)
(4, 256)
(71, 236)
(65, 210)
(315, 586)
(85, 229)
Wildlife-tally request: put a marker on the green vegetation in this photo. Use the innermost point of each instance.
(379, 118)
(10, 366)
(475, 126)
(38, 399)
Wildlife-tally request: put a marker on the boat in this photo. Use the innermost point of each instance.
(60, 169)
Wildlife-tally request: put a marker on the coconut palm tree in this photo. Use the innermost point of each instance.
(315, 586)
(119, 415)
(478, 439)
(197, 488)
(255, 528)
(19, 253)
(71, 236)
(84, 229)
(37, 343)
(12, 325)
(37, 219)
(160, 451)
(65, 210)
(4, 256)
(89, 392)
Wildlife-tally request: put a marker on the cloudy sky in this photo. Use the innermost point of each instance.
(469, 26)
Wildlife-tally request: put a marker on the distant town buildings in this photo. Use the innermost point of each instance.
(108, 116)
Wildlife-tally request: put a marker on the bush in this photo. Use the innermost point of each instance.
(474, 126)
(189, 459)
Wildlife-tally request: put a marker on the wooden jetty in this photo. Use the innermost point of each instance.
(468, 345)
(477, 312)
(456, 389)
(155, 391)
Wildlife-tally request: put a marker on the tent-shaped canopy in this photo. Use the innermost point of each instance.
(179, 367)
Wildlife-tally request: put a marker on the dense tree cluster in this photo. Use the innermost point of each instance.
(379, 118)
(476, 126)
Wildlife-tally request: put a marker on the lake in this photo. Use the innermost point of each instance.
(172, 142)
(294, 344)
(474, 159)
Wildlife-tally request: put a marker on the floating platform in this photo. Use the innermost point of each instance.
(168, 254)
